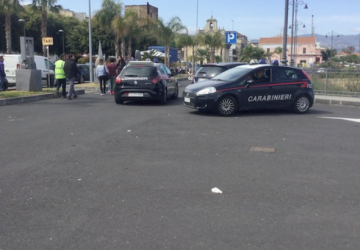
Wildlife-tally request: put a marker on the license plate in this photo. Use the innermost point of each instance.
(186, 99)
(135, 94)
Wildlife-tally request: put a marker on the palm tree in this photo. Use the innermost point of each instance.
(9, 7)
(44, 6)
(133, 29)
(213, 41)
(168, 31)
(120, 30)
(250, 52)
(201, 54)
(108, 16)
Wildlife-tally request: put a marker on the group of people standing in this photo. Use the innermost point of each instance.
(66, 70)
(107, 73)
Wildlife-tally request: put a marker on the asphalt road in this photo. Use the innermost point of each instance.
(90, 174)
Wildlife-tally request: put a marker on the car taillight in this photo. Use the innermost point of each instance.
(156, 79)
(18, 66)
(118, 80)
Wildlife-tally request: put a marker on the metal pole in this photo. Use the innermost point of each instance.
(64, 43)
(48, 67)
(292, 35)
(284, 59)
(90, 45)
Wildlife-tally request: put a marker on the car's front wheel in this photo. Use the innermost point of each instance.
(227, 106)
(301, 104)
(176, 94)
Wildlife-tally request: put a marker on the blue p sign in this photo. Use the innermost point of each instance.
(230, 37)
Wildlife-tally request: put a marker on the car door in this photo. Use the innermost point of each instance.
(255, 94)
(286, 82)
(164, 76)
(171, 81)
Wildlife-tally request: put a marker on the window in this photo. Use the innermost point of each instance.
(304, 50)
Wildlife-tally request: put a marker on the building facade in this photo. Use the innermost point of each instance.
(144, 10)
(226, 51)
(307, 52)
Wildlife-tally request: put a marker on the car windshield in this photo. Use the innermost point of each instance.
(84, 67)
(138, 71)
(209, 71)
(233, 74)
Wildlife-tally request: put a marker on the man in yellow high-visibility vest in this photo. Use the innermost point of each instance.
(60, 76)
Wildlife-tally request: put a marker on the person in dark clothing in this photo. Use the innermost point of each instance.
(112, 68)
(71, 71)
(120, 64)
(2, 73)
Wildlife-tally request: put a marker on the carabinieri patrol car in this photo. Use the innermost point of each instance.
(247, 87)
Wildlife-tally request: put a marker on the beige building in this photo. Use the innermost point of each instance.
(306, 50)
(228, 50)
(69, 13)
(144, 10)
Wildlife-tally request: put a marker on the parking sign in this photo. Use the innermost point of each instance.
(230, 37)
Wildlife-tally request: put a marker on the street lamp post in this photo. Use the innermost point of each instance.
(293, 49)
(284, 59)
(90, 45)
(23, 21)
(63, 40)
(331, 42)
(294, 22)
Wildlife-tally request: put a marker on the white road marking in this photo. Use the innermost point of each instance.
(340, 118)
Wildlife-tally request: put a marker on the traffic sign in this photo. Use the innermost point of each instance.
(47, 41)
(230, 37)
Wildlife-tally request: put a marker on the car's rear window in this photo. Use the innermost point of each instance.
(209, 71)
(84, 67)
(138, 71)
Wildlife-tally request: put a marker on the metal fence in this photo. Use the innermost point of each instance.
(330, 82)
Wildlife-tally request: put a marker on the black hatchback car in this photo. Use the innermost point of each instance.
(209, 70)
(145, 80)
(248, 87)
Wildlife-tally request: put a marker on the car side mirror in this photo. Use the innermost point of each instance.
(249, 82)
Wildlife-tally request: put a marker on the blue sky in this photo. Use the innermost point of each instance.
(254, 19)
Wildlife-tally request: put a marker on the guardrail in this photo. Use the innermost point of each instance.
(330, 82)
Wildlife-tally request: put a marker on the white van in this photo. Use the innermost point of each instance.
(12, 62)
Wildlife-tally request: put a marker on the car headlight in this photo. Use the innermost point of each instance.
(206, 91)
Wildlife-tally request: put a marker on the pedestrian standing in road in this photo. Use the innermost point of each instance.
(107, 63)
(71, 71)
(112, 67)
(2, 73)
(120, 63)
(60, 76)
(102, 75)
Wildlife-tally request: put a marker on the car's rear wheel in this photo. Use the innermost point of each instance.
(164, 98)
(227, 106)
(118, 101)
(176, 94)
(301, 104)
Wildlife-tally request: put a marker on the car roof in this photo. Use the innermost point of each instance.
(224, 64)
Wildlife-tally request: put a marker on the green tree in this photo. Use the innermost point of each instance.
(213, 41)
(106, 16)
(9, 7)
(201, 55)
(168, 32)
(44, 6)
(349, 49)
(250, 52)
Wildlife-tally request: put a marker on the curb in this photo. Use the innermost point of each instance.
(337, 102)
(40, 97)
